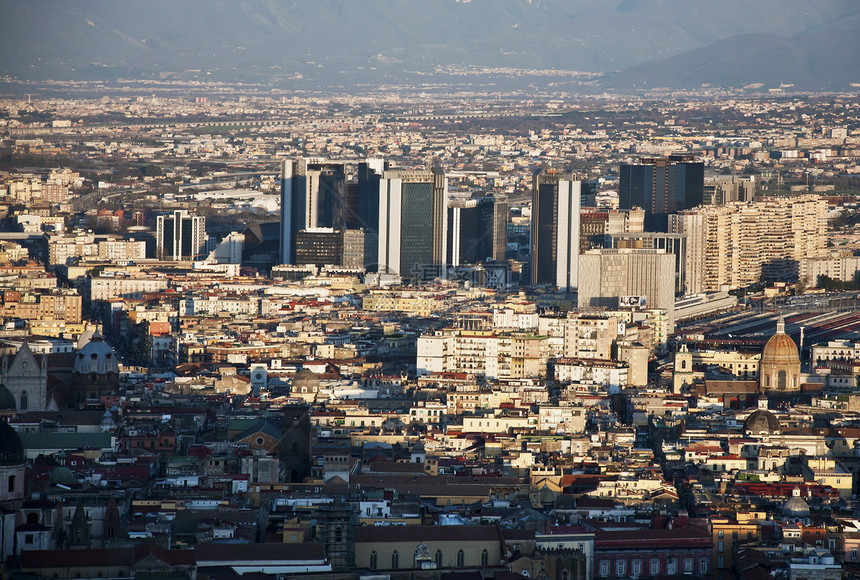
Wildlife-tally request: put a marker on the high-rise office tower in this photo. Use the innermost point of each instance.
(412, 223)
(555, 228)
(628, 278)
(180, 236)
(673, 243)
(477, 229)
(319, 246)
(313, 195)
(661, 186)
(367, 208)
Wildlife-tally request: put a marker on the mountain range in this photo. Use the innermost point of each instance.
(629, 43)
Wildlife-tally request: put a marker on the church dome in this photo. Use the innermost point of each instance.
(63, 476)
(780, 349)
(762, 422)
(96, 357)
(7, 399)
(796, 506)
(779, 366)
(306, 381)
(11, 448)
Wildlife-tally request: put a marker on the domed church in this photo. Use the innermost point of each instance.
(779, 367)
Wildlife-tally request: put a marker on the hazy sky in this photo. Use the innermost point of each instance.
(351, 40)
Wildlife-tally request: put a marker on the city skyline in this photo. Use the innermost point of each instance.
(399, 290)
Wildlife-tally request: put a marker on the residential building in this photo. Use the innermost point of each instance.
(740, 244)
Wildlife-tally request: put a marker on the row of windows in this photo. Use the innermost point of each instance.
(438, 558)
(654, 566)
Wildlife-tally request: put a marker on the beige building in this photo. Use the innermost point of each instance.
(836, 266)
(589, 336)
(738, 243)
(828, 471)
(113, 287)
(485, 353)
(743, 527)
(628, 278)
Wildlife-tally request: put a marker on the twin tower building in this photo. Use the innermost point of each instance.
(389, 221)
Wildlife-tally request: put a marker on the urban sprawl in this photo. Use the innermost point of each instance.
(412, 336)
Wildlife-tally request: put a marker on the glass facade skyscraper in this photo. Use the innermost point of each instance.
(661, 186)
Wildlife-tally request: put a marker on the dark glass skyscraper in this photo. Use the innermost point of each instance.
(662, 186)
(555, 234)
(477, 229)
(412, 223)
(313, 195)
(367, 209)
(180, 236)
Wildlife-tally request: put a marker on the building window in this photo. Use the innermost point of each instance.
(338, 535)
(395, 560)
(721, 547)
(672, 566)
(604, 568)
(688, 565)
(655, 566)
(621, 568)
(438, 559)
(636, 567)
(461, 558)
(11, 484)
(721, 561)
(485, 558)
(703, 566)
(373, 560)
(28, 538)
(720, 534)
(24, 400)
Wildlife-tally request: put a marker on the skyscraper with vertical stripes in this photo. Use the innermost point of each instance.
(554, 233)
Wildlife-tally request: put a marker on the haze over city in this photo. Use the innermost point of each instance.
(429, 290)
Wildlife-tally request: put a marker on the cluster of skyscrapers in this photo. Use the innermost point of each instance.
(662, 241)
(390, 221)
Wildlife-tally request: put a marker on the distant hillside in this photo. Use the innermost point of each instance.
(354, 41)
(824, 60)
